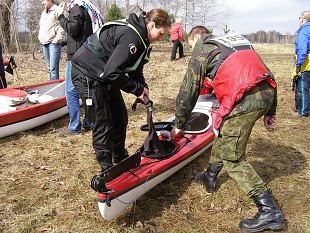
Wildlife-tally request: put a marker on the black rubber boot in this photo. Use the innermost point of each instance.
(269, 217)
(208, 178)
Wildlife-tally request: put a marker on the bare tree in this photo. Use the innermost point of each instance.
(32, 20)
(5, 29)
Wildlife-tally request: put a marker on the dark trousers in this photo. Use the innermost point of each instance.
(177, 44)
(3, 83)
(302, 98)
(109, 117)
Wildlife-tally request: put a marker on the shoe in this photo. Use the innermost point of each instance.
(66, 132)
(172, 59)
(297, 115)
(268, 217)
(182, 57)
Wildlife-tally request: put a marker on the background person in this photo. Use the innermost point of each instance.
(176, 37)
(240, 107)
(302, 66)
(84, 19)
(3, 83)
(111, 60)
(50, 36)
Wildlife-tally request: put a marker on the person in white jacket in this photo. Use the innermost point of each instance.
(50, 36)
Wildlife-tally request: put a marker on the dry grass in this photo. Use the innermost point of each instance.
(45, 177)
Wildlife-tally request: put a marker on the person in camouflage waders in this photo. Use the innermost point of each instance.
(246, 91)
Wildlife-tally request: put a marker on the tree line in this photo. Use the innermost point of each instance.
(270, 37)
(19, 19)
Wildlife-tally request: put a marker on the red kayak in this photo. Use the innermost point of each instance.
(122, 186)
(26, 107)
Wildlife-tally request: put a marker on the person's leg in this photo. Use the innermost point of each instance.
(120, 122)
(3, 83)
(181, 51)
(304, 94)
(102, 125)
(46, 53)
(55, 50)
(73, 103)
(235, 134)
(100, 115)
(231, 147)
(174, 49)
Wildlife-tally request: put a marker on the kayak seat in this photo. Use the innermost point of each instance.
(167, 149)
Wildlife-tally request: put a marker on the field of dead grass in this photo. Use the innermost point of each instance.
(44, 177)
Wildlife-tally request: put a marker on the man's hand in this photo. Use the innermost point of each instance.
(270, 122)
(175, 133)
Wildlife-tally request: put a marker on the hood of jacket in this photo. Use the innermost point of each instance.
(139, 24)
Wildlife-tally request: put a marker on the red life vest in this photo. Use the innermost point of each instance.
(240, 71)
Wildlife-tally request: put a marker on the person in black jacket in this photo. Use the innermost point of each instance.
(78, 27)
(111, 60)
(3, 83)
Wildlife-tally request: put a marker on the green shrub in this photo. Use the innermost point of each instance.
(113, 13)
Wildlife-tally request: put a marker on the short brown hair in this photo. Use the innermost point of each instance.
(199, 30)
(159, 16)
(306, 15)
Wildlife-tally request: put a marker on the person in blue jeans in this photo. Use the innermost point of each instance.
(50, 36)
(302, 68)
(84, 18)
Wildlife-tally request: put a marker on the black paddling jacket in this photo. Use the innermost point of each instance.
(119, 47)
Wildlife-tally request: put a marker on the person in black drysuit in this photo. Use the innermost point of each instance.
(3, 83)
(111, 60)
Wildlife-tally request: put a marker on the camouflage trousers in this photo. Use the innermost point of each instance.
(230, 147)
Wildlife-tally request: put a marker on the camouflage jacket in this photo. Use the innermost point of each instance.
(206, 58)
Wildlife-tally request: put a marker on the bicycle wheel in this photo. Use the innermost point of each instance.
(37, 52)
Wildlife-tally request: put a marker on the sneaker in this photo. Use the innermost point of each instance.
(172, 59)
(63, 132)
(182, 57)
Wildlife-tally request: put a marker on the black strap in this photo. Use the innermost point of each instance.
(152, 144)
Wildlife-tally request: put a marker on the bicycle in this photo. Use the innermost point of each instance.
(37, 52)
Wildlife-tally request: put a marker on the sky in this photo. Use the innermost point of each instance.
(246, 16)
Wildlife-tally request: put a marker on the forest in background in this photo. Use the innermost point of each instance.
(19, 19)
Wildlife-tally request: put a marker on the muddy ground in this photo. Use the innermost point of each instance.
(44, 176)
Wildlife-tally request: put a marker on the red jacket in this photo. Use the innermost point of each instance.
(241, 71)
(176, 32)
